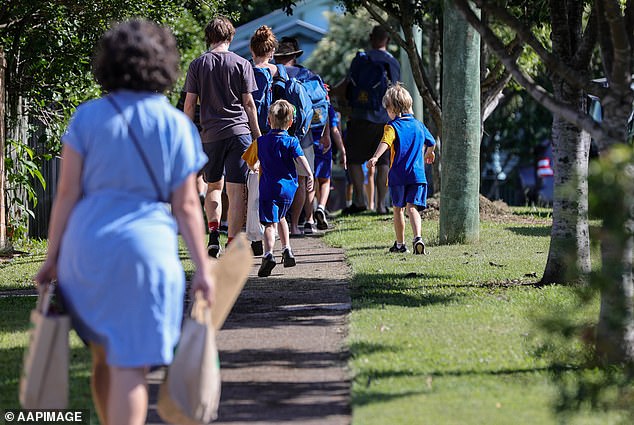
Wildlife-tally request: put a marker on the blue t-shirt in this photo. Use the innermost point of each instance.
(277, 151)
(380, 116)
(407, 156)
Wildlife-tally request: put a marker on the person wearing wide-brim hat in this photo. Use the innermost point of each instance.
(288, 48)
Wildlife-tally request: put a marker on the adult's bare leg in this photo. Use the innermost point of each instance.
(128, 397)
(237, 194)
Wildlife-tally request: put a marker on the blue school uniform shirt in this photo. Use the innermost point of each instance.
(407, 138)
(276, 152)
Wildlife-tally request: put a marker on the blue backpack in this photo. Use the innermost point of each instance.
(315, 88)
(368, 81)
(292, 90)
(263, 96)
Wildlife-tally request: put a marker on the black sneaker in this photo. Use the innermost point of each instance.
(353, 209)
(213, 247)
(322, 221)
(268, 264)
(395, 248)
(257, 248)
(288, 258)
(308, 228)
(419, 246)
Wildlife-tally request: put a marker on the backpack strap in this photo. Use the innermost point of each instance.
(281, 72)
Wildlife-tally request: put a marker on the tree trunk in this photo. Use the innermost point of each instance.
(615, 330)
(3, 220)
(460, 179)
(569, 252)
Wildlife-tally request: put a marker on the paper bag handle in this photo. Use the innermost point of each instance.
(45, 294)
(201, 310)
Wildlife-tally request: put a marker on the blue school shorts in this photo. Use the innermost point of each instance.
(273, 211)
(323, 163)
(415, 193)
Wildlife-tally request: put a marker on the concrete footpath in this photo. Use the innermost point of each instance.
(282, 349)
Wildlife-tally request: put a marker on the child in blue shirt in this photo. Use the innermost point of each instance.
(407, 138)
(275, 155)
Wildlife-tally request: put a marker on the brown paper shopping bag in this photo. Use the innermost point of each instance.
(44, 380)
(231, 273)
(190, 393)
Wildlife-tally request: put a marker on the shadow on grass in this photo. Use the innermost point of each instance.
(535, 231)
(374, 289)
(369, 396)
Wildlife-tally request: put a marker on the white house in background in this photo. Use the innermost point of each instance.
(308, 24)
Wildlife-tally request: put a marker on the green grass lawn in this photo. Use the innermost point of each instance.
(447, 338)
(451, 337)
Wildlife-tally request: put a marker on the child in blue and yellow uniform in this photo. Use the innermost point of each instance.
(407, 138)
(275, 155)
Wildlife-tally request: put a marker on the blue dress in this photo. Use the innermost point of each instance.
(119, 268)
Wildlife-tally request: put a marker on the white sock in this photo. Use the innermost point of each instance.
(321, 207)
(266, 254)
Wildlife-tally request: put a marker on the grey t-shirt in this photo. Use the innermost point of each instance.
(220, 79)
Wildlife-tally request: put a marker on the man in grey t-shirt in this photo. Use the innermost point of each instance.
(224, 82)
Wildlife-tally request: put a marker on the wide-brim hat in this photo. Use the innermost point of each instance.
(288, 46)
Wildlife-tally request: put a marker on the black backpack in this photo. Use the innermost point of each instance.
(368, 81)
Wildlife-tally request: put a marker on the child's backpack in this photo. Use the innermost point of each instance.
(316, 89)
(263, 96)
(368, 81)
(292, 90)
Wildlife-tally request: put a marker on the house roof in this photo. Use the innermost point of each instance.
(308, 24)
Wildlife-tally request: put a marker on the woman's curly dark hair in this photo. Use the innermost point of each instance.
(137, 55)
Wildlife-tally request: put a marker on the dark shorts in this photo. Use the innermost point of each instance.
(225, 158)
(362, 139)
(323, 163)
(272, 211)
(415, 193)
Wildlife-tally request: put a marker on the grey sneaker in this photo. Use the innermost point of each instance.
(288, 259)
(419, 246)
(320, 216)
(396, 249)
(268, 263)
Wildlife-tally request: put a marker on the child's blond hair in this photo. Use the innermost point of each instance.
(397, 99)
(281, 114)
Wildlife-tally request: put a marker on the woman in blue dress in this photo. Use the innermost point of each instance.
(113, 241)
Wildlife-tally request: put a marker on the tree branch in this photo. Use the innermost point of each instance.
(572, 115)
(551, 61)
(620, 76)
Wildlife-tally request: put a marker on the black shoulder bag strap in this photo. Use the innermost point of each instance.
(144, 158)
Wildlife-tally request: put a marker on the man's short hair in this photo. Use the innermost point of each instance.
(218, 30)
(379, 36)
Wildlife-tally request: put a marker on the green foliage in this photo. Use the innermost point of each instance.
(611, 179)
(22, 170)
(348, 33)
(48, 45)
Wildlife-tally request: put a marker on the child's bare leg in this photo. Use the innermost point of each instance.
(399, 225)
(283, 232)
(414, 219)
(269, 237)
